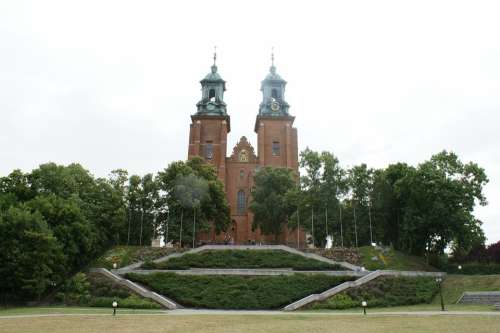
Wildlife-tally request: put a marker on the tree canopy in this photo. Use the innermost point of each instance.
(270, 204)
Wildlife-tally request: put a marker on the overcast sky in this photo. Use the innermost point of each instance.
(111, 84)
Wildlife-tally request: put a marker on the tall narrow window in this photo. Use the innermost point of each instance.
(209, 150)
(276, 148)
(274, 94)
(211, 94)
(242, 202)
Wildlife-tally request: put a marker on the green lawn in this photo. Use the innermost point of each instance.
(58, 309)
(410, 308)
(455, 285)
(243, 259)
(392, 259)
(223, 323)
(237, 292)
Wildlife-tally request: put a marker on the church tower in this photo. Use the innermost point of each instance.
(211, 123)
(276, 136)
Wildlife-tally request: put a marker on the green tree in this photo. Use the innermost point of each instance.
(186, 189)
(361, 190)
(31, 257)
(439, 200)
(64, 214)
(269, 200)
(322, 187)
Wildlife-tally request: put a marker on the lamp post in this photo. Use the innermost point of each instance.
(364, 305)
(459, 268)
(115, 265)
(439, 281)
(115, 305)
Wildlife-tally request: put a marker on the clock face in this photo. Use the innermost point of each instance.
(275, 106)
(243, 157)
(210, 107)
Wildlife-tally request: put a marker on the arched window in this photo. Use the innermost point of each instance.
(211, 94)
(242, 202)
(274, 94)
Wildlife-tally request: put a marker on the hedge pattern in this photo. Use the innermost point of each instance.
(384, 292)
(237, 292)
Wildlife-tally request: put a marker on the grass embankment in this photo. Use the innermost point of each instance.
(243, 259)
(237, 292)
(253, 323)
(125, 255)
(373, 258)
(455, 285)
(95, 290)
(384, 292)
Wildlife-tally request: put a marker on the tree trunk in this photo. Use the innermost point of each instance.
(129, 219)
(142, 220)
(180, 235)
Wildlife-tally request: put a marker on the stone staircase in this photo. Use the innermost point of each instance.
(353, 284)
(481, 297)
(167, 303)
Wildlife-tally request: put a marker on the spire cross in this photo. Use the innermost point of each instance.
(215, 54)
(272, 56)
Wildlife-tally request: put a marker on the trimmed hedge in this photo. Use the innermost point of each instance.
(130, 302)
(242, 259)
(384, 292)
(474, 268)
(237, 292)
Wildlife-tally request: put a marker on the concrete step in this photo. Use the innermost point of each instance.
(480, 297)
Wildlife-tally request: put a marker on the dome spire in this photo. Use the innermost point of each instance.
(273, 68)
(214, 66)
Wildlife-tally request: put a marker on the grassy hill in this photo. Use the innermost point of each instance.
(373, 258)
(125, 255)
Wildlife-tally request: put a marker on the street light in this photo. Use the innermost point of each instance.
(115, 265)
(460, 268)
(115, 305)
(439, 281)
(364, 305)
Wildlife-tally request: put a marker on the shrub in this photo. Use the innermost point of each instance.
(243, 259)
(474, 268)
(494, 252)
(383, 292)
(237, 292)
(96, 290)
(75, 291)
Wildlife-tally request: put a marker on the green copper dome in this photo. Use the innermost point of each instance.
(273, 76)
(213, 76)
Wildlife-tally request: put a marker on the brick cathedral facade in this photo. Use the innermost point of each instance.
(276, 147)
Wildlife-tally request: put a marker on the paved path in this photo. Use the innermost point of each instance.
(188, 312)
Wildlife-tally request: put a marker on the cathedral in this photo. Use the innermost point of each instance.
(276, 147)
